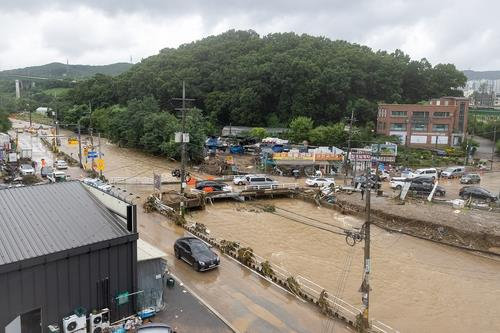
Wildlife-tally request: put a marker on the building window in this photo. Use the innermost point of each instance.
(419, 127)
(421, 114)
(399, 113)
(440, 128)
(441, 114)
(398, 127)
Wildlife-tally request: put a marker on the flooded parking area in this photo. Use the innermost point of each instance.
(418, 286)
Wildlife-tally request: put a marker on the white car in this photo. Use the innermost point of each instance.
(26, 169)
(244, 179)
(320, 181)
(398, 182)
(61, 164)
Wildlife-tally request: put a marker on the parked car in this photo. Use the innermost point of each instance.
(155, 328)
(453, 172)
(58, 176)
(476, 192)
(196, 253)
(26, 169)
(211, 186)
(429, 172)
(319, 181)
(61, 164)
(471, 178)
(243, 179)
(261, 182)
(46, 171)
(426, 188)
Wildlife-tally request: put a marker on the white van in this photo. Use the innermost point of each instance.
(428, 172)
(261, 183)
(453, 172)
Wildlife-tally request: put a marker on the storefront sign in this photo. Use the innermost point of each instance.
(288, 156)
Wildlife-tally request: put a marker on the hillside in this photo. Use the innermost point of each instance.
(482, 75)
(58, 70)
(242, 78)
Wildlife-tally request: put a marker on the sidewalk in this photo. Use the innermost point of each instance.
(186, 313)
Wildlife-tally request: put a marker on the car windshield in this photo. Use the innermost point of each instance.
(25, 166)
(198, 247)
(449, 170)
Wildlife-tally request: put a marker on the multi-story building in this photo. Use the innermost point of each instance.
(441, 122)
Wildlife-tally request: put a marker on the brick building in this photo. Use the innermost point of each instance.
(443, 122)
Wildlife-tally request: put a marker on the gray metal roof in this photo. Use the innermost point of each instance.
(44, 219)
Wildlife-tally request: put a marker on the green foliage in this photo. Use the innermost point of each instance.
(241, 78)
(497, 145)
(258, 133)
(61, 71)
(329, 135)
(300, 129)
(5, 123)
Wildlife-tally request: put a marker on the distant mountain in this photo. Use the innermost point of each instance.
(484, 75)
(57, 70)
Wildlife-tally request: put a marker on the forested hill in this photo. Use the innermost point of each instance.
(58, 70)
(484, 75)
(242, 78)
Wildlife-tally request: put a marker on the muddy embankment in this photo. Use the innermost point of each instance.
(476, 240)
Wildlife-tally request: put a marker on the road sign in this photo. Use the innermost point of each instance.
(92, 154)
(100, 164)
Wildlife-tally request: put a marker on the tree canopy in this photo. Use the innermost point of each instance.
(241, 78)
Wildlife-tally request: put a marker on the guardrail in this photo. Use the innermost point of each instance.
(140, 180)
(288, 186)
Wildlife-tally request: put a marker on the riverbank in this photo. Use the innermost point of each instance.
(469, 229)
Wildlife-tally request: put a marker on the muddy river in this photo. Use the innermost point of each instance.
(418, 286)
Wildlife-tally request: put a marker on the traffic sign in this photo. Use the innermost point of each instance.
(92, 154)
(100, 164)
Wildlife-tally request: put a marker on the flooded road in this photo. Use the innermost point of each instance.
(418, 286)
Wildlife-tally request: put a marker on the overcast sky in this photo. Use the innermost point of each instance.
(36, 32)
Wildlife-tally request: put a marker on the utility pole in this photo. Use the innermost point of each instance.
(29, 110)
(58, 141)
(79, 145)
(99, 143)
(494, 145)
(184, 140)
(346, 166)
(365, 286)
(91, 136)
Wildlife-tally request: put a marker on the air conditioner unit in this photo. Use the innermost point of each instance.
(99, 321)
(74, 324)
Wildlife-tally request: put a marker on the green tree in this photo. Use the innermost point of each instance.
(5, 123)
(300, 129)
(258, 133)
(333, 135)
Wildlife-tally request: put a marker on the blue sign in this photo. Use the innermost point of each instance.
(92, 154)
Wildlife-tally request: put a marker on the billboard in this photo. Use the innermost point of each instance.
(386, 152)
(296, 156)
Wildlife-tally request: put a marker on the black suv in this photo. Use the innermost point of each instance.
(196, 253)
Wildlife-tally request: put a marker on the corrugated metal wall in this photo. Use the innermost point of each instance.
(89, 280)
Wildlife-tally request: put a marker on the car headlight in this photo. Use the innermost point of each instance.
(201, 263)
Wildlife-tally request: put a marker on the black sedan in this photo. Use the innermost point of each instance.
(426, 188)
(196, 253)
(477, 193)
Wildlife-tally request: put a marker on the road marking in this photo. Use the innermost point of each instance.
(205, 303)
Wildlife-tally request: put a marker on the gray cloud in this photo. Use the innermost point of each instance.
(95, 31)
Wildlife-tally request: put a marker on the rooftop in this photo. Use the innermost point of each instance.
(44, 219)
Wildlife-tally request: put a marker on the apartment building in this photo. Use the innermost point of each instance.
(442, 122)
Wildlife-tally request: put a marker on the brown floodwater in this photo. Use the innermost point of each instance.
(418, 286)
